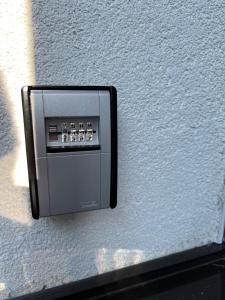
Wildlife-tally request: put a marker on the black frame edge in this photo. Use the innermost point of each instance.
(25, 92)
(114, 147)
(72, 148)
(157, 268)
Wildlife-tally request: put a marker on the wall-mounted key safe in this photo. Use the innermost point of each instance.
(71, 143)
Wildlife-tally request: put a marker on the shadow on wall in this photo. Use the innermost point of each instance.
(59, 42)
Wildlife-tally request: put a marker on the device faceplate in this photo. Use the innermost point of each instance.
(80, 180)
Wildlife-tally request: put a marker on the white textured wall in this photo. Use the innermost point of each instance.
(166, 59)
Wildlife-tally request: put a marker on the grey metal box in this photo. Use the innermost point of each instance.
(71, 143)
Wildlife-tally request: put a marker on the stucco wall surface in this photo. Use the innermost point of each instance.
(166, 59)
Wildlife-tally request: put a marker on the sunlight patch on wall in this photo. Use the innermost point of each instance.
(14, 204)
(17, 69)
(109, 259)
(2, 286)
